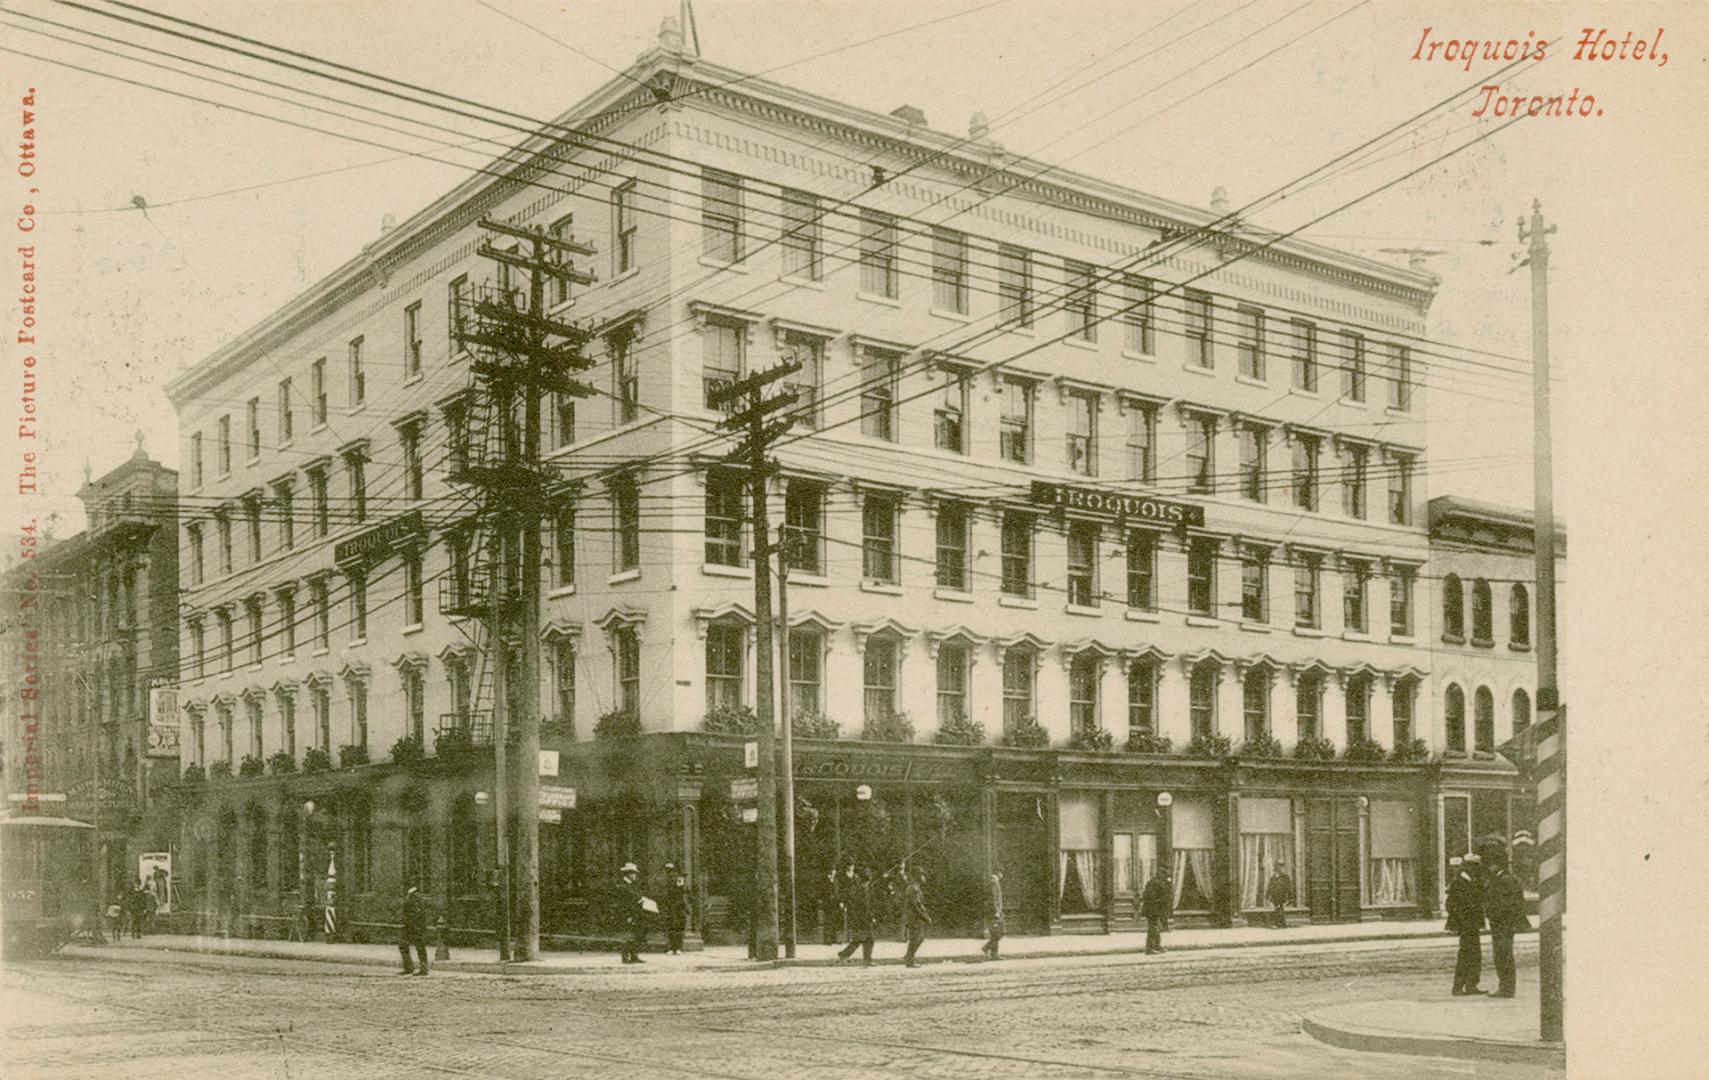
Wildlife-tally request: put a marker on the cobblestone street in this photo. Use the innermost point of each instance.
(1232, 1015)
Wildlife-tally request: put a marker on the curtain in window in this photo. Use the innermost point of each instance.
(1393, 873)
(1393, 881)
(1260, 855)
(1193, 877)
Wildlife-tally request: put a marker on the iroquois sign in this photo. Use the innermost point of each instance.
(376, 542)
(1117, 503)
(894, 770)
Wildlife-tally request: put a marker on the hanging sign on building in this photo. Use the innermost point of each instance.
(744, 788)
(1122, 504)
(376, 543)
(163, 722)
(557, 798)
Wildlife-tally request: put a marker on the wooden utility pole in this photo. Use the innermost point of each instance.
(498, 655)
(759, 433)
(788, 741)
(1551, 769)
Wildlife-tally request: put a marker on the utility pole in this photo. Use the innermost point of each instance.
(498, 655)
(760, 433)
(524, 353)
(788, 740)
(1551, 758)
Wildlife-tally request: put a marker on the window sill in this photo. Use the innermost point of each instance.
(737, 267)
(319, 426)
(414, 378)
(1016, 328)
(1393, 411)
(354, 642)
(952, 316)
(625, 275)
(1308, 631)
(1350, 402)
(1483, 643)
(1402, 639)
(1519, 646)
(799, 282)
(1022, 602)
(954, 596)
(412, 628)
(1087, 610)
(720, 570)
(1247, 380)
(812, 581)
(877, 299)
(1453, 639)
(881, 587)
(226, 674)
(1356, 635)
(1144, 358)
(1203, 620)
(1195, 369)
(624, 575)
(561, 591)
(359, 407)
(1141, 615)
(1300, 391)
(1255, 627)
(286, 444)
(322, 651)
(1081, 343)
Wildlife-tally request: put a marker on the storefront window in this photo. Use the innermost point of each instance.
(1195, 881)
(1080, 859)
(1266, 845)
(1393, 873)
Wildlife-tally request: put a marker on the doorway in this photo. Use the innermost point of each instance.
(1332, 859)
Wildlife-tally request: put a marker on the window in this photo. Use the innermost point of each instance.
(1083, 564)
(878, 372)
(1253, 446)
(1519, 616)
(1197, 330)
(1082, 438)
(808, 351)
(1142, 570)
(198, 560)
(1358, 708)
(1019, 666)
(410, 436)
(564, 545)
(1081, 303)
(355, 466)
(196, 476)
(563, 419)
(1083, 693)
(1355, 580)
(878, 665)
(288, 621)
(1201, 454)
(878, 254)
(623, 256)
(285, 415)
(1483, 613)
(1138, 315)
(1355, 465)
(358, 606)
(804, 521)
(252, 526)
(1306, 448)
(723, 519)
(626, 504)
(949, 419)
(1142, 696)
(252, 414)
(1255, 702)
(412, 340)
(560, 287)
(288, 732)
(952, 546)
(225, 445)
(1453, 608)
(878, 538)
(949, 270)
(414, 608)
(222, 521)
(1254, 591)
(320, 699)
(1308, 704)
(317, 389)
(1017, 553)
(358, 380)
(564, 685)
(1307, 571)
(1405, 692)
(806, 671)
(1201, 698)
(1483, 712)
(1305, 355)
(1454, 718)
(628, 669)
(801, 235)
(720, 216)
(1249, 341)
(252, 609)
(1015, 426)
(1201, 576)
(415, 707)
(1400, 490)
(1400, 602)
(1353, 366)
(322, 600)
(721, 358)
(1015, 285)
(199, 646)
(953, 659)
(1521, 711)
(319, 495)
(457, 304)
(1142, 442)
(724, 647)
(1399, 378)
(626, 374)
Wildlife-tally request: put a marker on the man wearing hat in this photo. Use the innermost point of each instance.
(413, 932)
(1466, 918)
(1505, 903)
(629, 901)
(673, 910)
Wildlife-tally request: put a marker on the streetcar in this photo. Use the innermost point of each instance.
(48, 884)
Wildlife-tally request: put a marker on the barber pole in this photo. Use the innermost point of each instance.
(1551, 773)
(331, 896)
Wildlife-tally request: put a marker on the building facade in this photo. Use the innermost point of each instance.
(1102, 555)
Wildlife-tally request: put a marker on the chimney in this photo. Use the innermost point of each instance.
(909, 113)
(978, 128)
(388, 223)
(1219, 200)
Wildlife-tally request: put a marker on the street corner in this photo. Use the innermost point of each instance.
(1473, 1028)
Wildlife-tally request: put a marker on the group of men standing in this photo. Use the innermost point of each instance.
(850, 904)
(1478, 895)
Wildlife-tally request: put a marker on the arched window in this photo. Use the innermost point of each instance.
(1483, 613)
(1521, 711)
(1454, 716)
(1358, 708)
(1519, 616)
(1405, 691)
(1453, 607)
(1255, 695)
(1201, 698)
(1483, 707)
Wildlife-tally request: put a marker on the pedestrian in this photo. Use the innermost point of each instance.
(994, 924)
(1466, 918)
(830, 907)
(631, 902)
(1505, 904)
(1156, 903)
(673, 910)
(134, 900)
(914, 915)
(150, 904)
(857, 905)
(413, 932)
(116, 917)
(1280, 892)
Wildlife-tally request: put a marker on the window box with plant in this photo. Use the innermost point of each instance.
(896, 727)
(316, 760)
(452, 742)
(1314, 748)
(1365, 750)
(1146, 741)
(407, 751)
(351, 756)
(960, 731)
(1209, 746)
(193, 774)
(1026, 734)
(219, 770)
(281, 763)
(1261, 746)
(813, 725)
(1097, 740)
(1411, 752)
(731, 720)
(251, 766)
(618, 724)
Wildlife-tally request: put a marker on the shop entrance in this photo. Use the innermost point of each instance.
(1022, 847)
(1332, 859)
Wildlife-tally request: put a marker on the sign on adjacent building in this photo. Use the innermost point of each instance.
(744, 789)
(377, 542)
(1121, 504)
(163, 722)
(557, 798)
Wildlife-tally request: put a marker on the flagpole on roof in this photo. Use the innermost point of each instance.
(690, 31)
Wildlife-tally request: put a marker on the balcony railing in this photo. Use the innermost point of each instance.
(471, 729)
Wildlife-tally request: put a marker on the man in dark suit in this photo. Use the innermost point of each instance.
(1156, 903)
(413, 933)
(1505, 904)
(857, 903)
(994, 924)
(629, 902)
(1466, 918)
(1280, 893)
(673, 910)
(914, 914)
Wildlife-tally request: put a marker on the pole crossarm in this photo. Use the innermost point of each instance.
(751, 384)
(537, 235)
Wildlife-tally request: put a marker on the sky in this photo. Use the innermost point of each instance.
(244, 212)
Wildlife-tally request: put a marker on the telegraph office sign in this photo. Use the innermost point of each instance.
(377, 542)
(1120, 504)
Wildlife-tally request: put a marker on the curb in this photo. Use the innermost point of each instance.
(458, 967)
(1374, 1040)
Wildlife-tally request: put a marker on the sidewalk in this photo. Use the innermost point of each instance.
(734, 957)
(1441, 1025)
